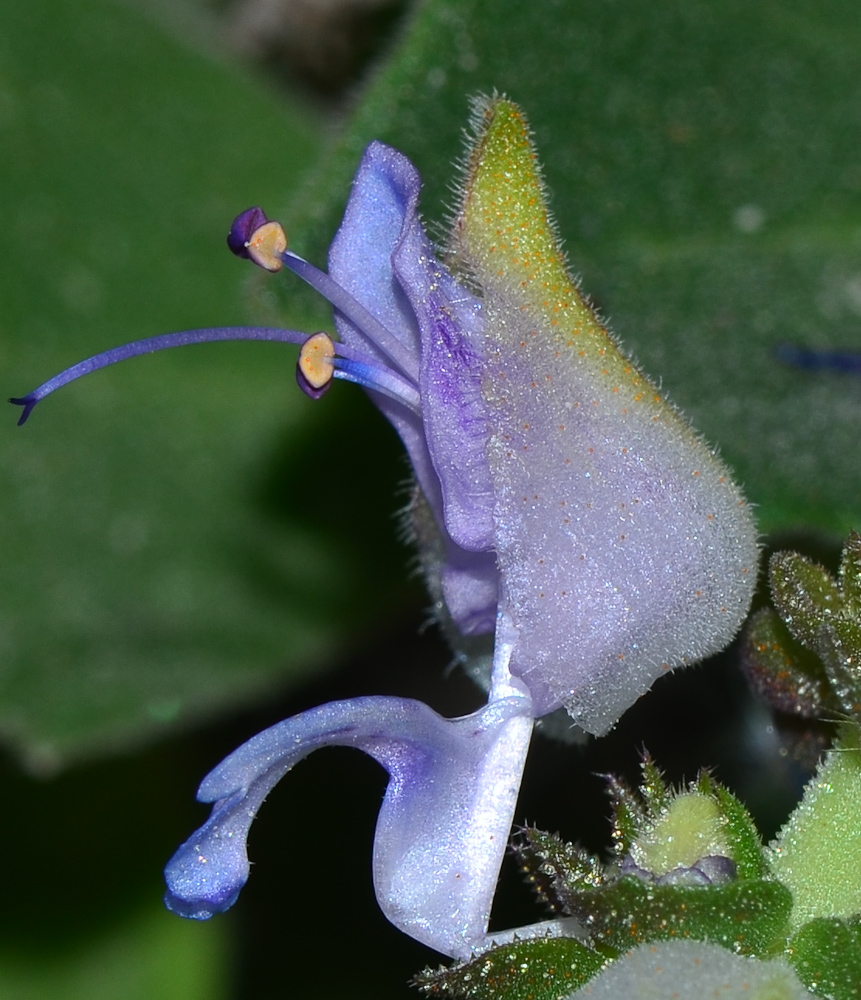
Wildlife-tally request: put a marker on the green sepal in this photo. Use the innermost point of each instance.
(805, 594)
(823, 618)
(826, 954)
(847, 640)
(850, 572)
(705, 783)
(556, 869)
(742, 834)
(632, 821)
(629, 816)
(539, 969)
(816, 852)
(748, 916)
(840, 649)
(789, 677)
(655, 791)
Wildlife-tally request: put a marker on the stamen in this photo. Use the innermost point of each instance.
(321, 360)
(242, 228)
(148, 346)
(367, 324)
(253, 236)
(375, 376)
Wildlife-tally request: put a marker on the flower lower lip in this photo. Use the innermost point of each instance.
(443, 826)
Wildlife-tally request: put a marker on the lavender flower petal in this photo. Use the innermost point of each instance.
(455, 422)
(382, 255)
(385, 192)
(624, 546)
(443, 826)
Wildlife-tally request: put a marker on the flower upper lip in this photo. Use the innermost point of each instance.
(383, 258)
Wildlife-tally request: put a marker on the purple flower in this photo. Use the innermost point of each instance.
(562, 506)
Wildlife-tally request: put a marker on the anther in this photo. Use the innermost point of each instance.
(242, 228)
(315, 368)
(266, 245)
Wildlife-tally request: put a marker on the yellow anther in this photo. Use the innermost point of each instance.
(315, 360)
(266, 245)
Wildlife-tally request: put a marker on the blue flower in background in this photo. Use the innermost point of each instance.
(566, 509)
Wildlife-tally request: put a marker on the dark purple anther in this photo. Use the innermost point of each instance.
(244, 226)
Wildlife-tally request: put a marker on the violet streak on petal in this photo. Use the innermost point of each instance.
(443, 825)
(383, 257)
(451, 324)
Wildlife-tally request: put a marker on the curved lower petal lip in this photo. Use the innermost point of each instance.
(207, 873)
(443, 826)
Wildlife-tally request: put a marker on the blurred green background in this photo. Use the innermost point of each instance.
(193, 550)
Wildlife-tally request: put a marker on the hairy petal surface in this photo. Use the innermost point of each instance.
(625, 548)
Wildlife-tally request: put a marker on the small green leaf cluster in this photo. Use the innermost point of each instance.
(537, 969)
(733, 901)
(689, 865)
(826, 954)
(804, 656)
